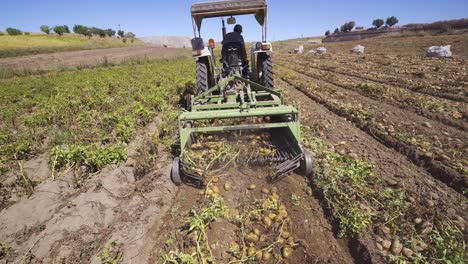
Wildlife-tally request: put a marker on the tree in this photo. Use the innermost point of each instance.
(67, 30)
(336, 30)
(45, 29)
(14, 31)
(59, 30)
(110, 32)
(120, 33)
(130, 35)
(350, 25)
(378, 23)
(80, 29)
(327, 33)
(391, 21)
(347, 26)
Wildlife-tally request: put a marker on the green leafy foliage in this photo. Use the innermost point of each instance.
(354, 192)
(13, 31)
(45, 29)
(86, 117)
(391, 21)
(60, 30)
(378, 23)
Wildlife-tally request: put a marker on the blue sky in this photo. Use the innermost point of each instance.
(287, 18)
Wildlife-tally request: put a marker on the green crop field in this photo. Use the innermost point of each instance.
(11, 46)
(87, 116)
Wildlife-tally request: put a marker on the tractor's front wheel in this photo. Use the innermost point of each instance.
(266, 73)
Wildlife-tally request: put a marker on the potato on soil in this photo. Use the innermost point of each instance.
(227, 186)
(234, 246)
(258, 255)
(274, 189)
(286, 252)
(251, 251)
(215, 189)
(251, 238)
(252, 186)
(266, 256)
(267, 221)
(265, 191)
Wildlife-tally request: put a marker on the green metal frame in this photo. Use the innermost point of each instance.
(208, 106)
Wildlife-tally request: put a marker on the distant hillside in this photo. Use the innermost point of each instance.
(168, 41)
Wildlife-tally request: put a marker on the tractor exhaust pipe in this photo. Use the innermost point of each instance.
(224, 28)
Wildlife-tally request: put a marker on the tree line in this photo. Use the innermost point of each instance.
(377, 23)
(77, 29)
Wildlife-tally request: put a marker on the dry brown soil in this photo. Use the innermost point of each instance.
(87, 57)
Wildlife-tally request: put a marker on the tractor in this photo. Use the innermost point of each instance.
(233, 92)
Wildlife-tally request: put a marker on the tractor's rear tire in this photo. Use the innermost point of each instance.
(266, 74)
(202, 77)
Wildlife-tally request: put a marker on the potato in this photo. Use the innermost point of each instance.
(209, 192)
(215, 189)
(215, 195)
(274, 189)
(215, 179)
(286, 252)
(283, 214)
(257, 232)
(266, 220)
(278, 219)
(251, 251)
(272, 216)
(282, 208)
(227, 186)
(266, 256)
(265, 191)
(291, 241)
(251, 238)
(234, 246)
(285, 234)
(280, 240)
(252, 186)
(258, 255)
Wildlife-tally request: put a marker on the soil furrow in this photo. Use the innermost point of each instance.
(348, 71)
(459, 124)
(437, 169)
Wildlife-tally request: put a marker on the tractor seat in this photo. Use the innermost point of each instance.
(231, 54)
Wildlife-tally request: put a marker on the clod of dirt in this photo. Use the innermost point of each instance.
(427, 124)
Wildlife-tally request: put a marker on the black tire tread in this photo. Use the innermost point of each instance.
(268, 73)
(202, 77)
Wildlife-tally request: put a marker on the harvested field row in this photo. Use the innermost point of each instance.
(392, 172)
(439, 75)
(442, 110)
(357, 70)
(390, 128)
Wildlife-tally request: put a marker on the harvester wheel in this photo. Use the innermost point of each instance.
(202, 77)
(307, 164)
(267, 74)
(175, 172)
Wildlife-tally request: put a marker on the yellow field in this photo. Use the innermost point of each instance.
(11, 46)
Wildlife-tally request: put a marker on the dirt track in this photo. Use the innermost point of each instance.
(87, 57)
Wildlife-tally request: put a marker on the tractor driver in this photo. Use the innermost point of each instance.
(236, 37)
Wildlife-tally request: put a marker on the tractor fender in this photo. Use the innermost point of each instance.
(204, 53)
